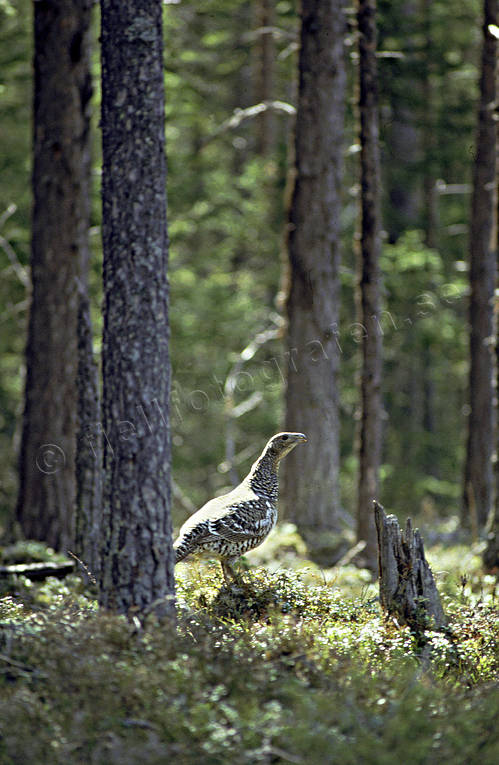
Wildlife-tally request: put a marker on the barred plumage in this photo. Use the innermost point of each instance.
(236, 522)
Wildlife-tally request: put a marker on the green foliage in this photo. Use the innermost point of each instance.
(279, 668)
(225, 213)
(424, 322)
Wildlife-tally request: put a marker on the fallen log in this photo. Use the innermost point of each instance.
(37, 571)
(407, 588)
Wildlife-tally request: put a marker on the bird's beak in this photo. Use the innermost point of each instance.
(300, 437)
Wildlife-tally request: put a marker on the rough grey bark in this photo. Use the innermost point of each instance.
(310, 486)
(370, 283)
(478, 488)
(89, 459)
(60, 222)
(406, 585)
(137, 559)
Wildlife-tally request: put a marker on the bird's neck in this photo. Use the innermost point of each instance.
(263, 475)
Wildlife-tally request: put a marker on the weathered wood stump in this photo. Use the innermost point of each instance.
(406, 585)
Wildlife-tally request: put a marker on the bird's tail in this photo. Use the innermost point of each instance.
(179, 551)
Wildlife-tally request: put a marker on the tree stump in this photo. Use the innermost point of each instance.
(406, 585)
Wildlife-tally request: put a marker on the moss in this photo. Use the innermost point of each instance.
(279, 667)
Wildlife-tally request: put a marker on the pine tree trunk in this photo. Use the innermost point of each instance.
(89, 460)
(310, 481)
(370, 283)
(478, 489)
(137, 560)
(429, 133)
(60, 222)
(264, 74)
(491, 552)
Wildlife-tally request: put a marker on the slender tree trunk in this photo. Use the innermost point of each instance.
(370, 283)
(430, 201)
(478, 490)
(264, 74)
(89, 461)
(137, 560)
(311, 490)
(430, 214)
(60, 222)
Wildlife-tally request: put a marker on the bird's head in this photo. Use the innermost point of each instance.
(282, 443)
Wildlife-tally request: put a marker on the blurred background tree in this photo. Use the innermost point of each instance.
(311, 489)
(478, 483)
(369, 289)
(227, 215)
(59, 261)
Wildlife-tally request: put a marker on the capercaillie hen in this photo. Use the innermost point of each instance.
(236, 522)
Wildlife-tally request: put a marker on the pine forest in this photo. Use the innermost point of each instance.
(249, 487)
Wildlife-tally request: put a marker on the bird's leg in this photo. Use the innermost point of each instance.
(228, 570)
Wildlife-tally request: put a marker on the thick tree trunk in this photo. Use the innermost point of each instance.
(491, 552)
(370, 283)
(137, 561)
(310, 486)
(478, 489)
(60, 222)
(406, 585)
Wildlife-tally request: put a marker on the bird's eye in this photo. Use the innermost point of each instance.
(285, 438)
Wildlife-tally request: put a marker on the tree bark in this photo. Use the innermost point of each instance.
(370, 283)
(429, 133)
(60, 222)
(491, 552)
(310, 486)
(137, 559)
(89, 459)
(406, 585)
(478, 489)
(264, 74)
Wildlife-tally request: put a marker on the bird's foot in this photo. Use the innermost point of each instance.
(233, 579)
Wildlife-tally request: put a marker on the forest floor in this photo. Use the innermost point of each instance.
(297, 665)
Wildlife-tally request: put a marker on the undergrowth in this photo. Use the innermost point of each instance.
(289, 666)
